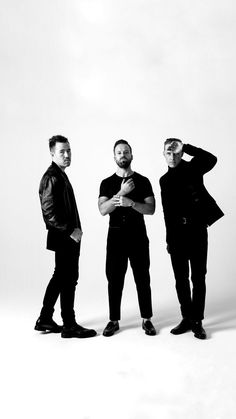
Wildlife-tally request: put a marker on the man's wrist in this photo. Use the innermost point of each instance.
(132, 204)
(121, 193)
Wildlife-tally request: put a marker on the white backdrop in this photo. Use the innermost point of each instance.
(97, 71)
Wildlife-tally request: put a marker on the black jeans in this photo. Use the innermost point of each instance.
(190, 250)
(122, 245)
(63, 282)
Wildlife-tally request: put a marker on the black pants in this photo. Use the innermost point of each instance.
(123, 245)
(190, 250)
(63, 283)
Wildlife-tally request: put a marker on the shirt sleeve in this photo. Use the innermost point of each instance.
(147, 188)
(104, 189)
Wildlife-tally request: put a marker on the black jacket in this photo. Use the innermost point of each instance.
(58, 205)
(184, 195)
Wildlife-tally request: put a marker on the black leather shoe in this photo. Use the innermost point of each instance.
(149, 328)
(111, 328)
(183, 327)
(49, 325)
(198, 330)
(77, 331)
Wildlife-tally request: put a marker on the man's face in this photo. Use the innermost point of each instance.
(173, 158)
(61, 155)
(123, 156)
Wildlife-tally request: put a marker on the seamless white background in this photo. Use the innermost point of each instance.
(97, 71)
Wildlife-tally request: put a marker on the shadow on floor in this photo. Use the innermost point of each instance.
(219, 315)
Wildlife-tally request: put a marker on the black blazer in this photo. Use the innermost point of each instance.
(183, 192)
(58, 206)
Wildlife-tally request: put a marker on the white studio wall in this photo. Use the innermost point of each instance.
(96, 71)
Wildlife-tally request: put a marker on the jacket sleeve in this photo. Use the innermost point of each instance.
(164, 206)
(51, 207)
(203, 161)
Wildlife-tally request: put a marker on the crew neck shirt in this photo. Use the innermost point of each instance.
(126, 216)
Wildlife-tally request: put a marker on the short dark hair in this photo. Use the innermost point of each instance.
(122, 142)
(57, 139)
(170, 140)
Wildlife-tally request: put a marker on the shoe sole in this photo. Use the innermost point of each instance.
(47, 329)
(68, 336)
(180, 333)
(200, 337)
(150, 334)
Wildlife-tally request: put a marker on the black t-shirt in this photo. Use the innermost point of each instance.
(126, 216)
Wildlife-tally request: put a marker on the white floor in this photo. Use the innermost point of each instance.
(128, 376)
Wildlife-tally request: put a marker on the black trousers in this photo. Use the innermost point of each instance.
(122, 245)
(189, 250)
(63, 282)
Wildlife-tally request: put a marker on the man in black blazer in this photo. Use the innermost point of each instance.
(188, 210)
(64, 237)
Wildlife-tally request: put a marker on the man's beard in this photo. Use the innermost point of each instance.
(124, 164)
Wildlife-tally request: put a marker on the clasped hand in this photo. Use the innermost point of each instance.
(121, 201)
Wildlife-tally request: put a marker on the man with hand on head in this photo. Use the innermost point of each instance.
(126, 196)
(64, 238)
(188, 210)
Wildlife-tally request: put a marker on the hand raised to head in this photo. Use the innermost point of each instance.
(175, 146)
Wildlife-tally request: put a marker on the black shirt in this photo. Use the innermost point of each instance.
(126, 216)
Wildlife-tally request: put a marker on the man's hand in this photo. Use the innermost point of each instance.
(175, 147)
(76, 235)
(122, 201)
(126, 187)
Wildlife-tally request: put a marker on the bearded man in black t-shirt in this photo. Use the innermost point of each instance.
(126, 196)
